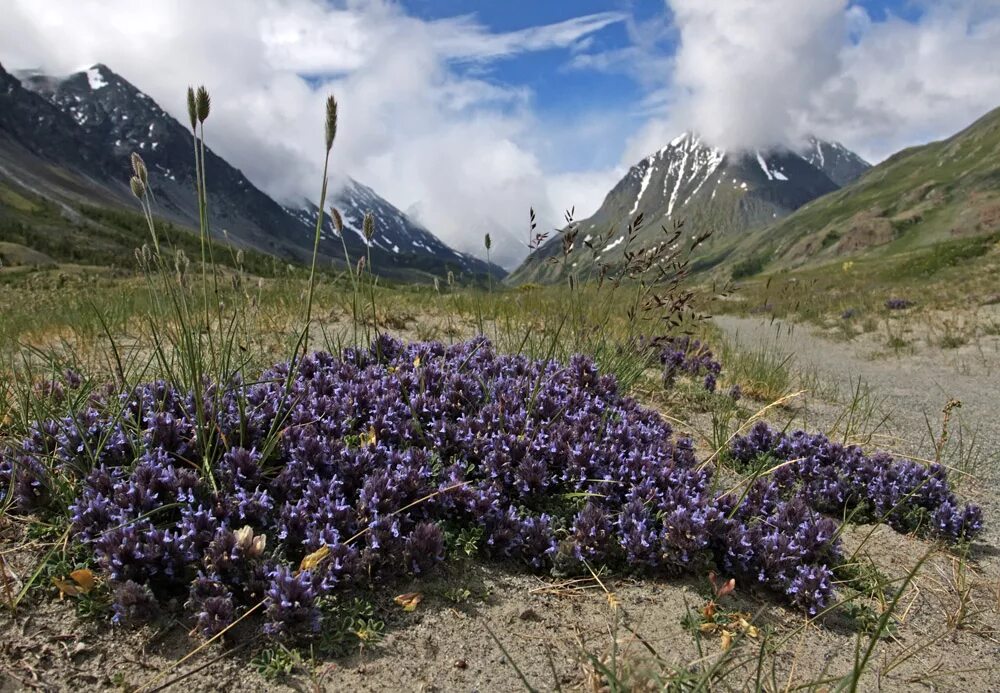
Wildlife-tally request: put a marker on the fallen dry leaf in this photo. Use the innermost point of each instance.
(84, 578)
(409, 601)
(80, 582)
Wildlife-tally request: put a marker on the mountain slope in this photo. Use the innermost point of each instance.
(396, 234)
(95, 119)
(918, 197)
(708, 188)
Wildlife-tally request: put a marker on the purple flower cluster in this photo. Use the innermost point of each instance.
(843, 481)
(340, 471)
(898, 303)
(685, 355)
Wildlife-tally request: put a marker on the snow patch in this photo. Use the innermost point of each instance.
(96, 79)
(763, 166)
(615, 242)
(645, 182)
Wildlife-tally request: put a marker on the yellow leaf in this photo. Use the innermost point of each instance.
(416, 362)
(370, 439)
(409, 601)
(707, 627)
(84, 578)
(727, 639)
(315, 558)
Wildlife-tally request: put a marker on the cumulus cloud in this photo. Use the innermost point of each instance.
(908, 82)
(769, 72)
(450, 147)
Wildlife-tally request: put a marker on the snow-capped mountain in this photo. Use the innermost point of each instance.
(838, 162)
(395, 233)
(707, 188)
(102, 119)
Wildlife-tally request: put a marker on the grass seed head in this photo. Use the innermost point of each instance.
(138, 187)
(369, 226)
(331, 121)
(338, 221)
(192, 107)
(139, 168)
(203, 103)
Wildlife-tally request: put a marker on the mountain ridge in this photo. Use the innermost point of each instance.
(102, 118)
(710, 189)
(917, 197)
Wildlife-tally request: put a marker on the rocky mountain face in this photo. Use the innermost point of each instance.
(90, 122)
(396, 235)
(707, 188)
(839, 163)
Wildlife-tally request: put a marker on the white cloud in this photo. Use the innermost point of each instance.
(904, 83)
(769, 72)
(451, 147)
(744, 70)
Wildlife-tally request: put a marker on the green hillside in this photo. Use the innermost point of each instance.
(944, 191)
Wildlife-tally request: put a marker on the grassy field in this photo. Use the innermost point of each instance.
(949, 291)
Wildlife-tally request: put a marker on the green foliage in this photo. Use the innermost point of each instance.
(465, 542)
(348, 623)
(749, 267)
(277, 662)
(458, 595)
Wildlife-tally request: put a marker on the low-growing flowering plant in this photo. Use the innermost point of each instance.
(843, 481)
(688, 356)
(897, 303)
(339, 471)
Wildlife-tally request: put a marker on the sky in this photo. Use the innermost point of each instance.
(466, 114)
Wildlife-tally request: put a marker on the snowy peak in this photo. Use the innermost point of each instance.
(395, 234)
(672, 177)
(838, 162)
(709, 189)
(106, 105)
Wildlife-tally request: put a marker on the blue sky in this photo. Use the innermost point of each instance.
(465, 114)
(562, 93)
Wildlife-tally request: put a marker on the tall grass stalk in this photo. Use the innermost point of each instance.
(331, 133)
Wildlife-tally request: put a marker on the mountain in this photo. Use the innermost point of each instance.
(839, 163)
(710, 189)
(408, 241)
(85, 126)
(916, 198)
